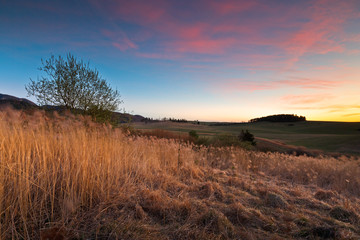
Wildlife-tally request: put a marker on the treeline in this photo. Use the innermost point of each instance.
(176, 120)
(280, 118)
(224, 124)
(151, 120)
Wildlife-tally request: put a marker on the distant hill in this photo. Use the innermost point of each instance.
(25, 104)
(126, 117)
(17, 103)
(280, 118)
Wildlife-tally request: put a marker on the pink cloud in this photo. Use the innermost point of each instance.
(223, 28)
(162, 19)
(308, 83)
(140, 12)
(119, 40)
(192, 31)
(203, 45)
(323, 32)
(306, 99)
(124, 45)
(233, 6)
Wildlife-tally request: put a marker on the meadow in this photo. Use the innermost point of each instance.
(65, 177)
(327, 137)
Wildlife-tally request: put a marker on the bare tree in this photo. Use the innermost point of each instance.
(72, 83)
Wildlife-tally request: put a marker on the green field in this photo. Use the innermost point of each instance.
(341, 137)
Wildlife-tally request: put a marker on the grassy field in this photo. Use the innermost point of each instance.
(339, 137)
(66, 177)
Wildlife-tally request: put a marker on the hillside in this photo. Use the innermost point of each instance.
(17, 103)
(68, 178)
(25, 104)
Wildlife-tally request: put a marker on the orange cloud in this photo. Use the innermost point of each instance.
(330, 108)
(351, 115)
(342, 108)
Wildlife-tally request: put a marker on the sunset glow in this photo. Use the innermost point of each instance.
(208, 60)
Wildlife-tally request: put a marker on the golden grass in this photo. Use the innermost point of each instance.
(68, 172)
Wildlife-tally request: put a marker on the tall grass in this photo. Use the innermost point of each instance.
(50, 169)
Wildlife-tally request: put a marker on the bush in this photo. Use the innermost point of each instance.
(193, 135)
(246, 136)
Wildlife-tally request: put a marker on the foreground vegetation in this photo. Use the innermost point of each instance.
(67, 177)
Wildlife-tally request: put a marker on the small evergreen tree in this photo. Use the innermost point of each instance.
(246, 136)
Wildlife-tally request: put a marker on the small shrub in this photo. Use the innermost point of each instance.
(341, 214)
(193, 135)
(324, 195)
(324, 232)
(275, 201)
(246, 136)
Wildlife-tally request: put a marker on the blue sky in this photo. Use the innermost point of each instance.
(208, 60)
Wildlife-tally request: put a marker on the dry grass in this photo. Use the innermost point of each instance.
(67, 177)
(160, 133)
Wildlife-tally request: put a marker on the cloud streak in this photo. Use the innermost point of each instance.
(119, 40)
(293, 82)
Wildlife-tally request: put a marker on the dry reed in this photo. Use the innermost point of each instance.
(52, 169)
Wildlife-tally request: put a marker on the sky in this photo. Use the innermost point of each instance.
(208, 60)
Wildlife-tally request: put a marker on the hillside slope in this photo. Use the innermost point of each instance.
(25, 104)
(17, 103)
(330, 137)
